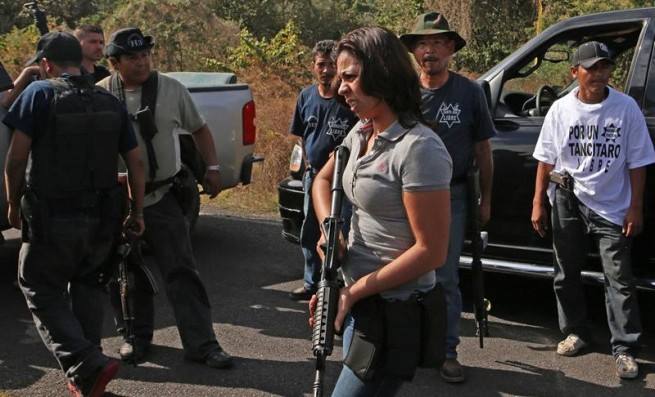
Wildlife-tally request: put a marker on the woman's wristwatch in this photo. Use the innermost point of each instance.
(215, 167)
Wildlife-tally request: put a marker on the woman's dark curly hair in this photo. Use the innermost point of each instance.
(387, 72)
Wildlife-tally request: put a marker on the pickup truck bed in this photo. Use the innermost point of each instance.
(229, 110)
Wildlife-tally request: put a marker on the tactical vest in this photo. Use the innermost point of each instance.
(79, 151)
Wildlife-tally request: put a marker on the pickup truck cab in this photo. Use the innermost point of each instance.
(520, 90)
(229, 110)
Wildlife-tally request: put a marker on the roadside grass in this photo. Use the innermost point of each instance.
(274, 100)
(275, 97)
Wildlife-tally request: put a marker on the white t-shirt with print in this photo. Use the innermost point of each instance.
(597, 144)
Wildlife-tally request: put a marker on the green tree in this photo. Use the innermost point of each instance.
(188, 35)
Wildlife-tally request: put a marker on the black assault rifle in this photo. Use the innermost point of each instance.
(39, 16)
(480, 304)
(328, 288)
(124, 283)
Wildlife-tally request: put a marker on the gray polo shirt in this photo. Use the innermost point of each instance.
(401, 160)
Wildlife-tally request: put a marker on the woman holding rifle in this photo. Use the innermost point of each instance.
(397, 177)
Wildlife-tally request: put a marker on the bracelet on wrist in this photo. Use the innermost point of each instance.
(215, 167)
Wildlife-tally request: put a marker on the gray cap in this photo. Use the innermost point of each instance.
(589, 53)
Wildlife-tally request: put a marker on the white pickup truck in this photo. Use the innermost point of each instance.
(229, 110)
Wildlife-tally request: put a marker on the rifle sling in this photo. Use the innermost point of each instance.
(148, 101)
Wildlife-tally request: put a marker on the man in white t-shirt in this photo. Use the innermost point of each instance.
(593, 148)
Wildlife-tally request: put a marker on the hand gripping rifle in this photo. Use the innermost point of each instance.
(480, 304)
(328, 288)
(39, 16)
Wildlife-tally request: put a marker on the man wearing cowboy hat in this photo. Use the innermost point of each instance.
(159, 106)
(458, 110)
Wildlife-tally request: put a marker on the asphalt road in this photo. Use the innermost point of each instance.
(248, 270)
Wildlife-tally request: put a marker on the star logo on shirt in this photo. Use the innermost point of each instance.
(337, 128)
(312, 122)
(611, 132)
(449, 114)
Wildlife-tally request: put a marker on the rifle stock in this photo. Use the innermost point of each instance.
(328, 288)
(480, 304)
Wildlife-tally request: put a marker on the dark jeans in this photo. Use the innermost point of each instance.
(448, 274)
(310, 233)
(59, 278)
(572, 223)
(167, 234)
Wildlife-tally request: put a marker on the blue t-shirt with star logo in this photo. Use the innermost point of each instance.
(322, 123)
(459, 114)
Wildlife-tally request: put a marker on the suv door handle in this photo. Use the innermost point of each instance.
(506, 125)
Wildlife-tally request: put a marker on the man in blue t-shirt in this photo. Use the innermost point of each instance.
(70, 208)
(458, 110)
(322, 122)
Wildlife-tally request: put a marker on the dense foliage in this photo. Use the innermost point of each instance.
(267, 43)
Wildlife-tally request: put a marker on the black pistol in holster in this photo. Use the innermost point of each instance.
(481, 305)
(35, 218)
(563, 179)
(328, 288)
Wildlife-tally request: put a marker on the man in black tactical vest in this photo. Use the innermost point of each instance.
(159, 107)
(70, 207)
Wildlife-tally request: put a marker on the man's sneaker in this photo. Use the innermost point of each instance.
(134, 352)
(626, 366)
(571, 346)
(95, 385)
(218, 359)
(301, 294)
(452, 371)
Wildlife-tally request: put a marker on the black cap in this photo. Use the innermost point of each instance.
(589, 53)
(128, 40)
(58, 47)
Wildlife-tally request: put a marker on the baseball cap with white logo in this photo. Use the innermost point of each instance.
(128, 40)
(589, 53)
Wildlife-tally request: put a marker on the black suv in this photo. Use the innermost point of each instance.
(520, 90)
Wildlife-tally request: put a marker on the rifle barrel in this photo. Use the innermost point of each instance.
(328, 288)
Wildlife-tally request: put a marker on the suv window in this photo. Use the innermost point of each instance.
(649, 104)
(545, 75)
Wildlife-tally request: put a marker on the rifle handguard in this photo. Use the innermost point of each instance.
(326, 310)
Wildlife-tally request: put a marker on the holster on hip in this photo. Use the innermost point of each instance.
(402, 338)
(184, 189)
(35, 218)
(366, 348)
(434, 321)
